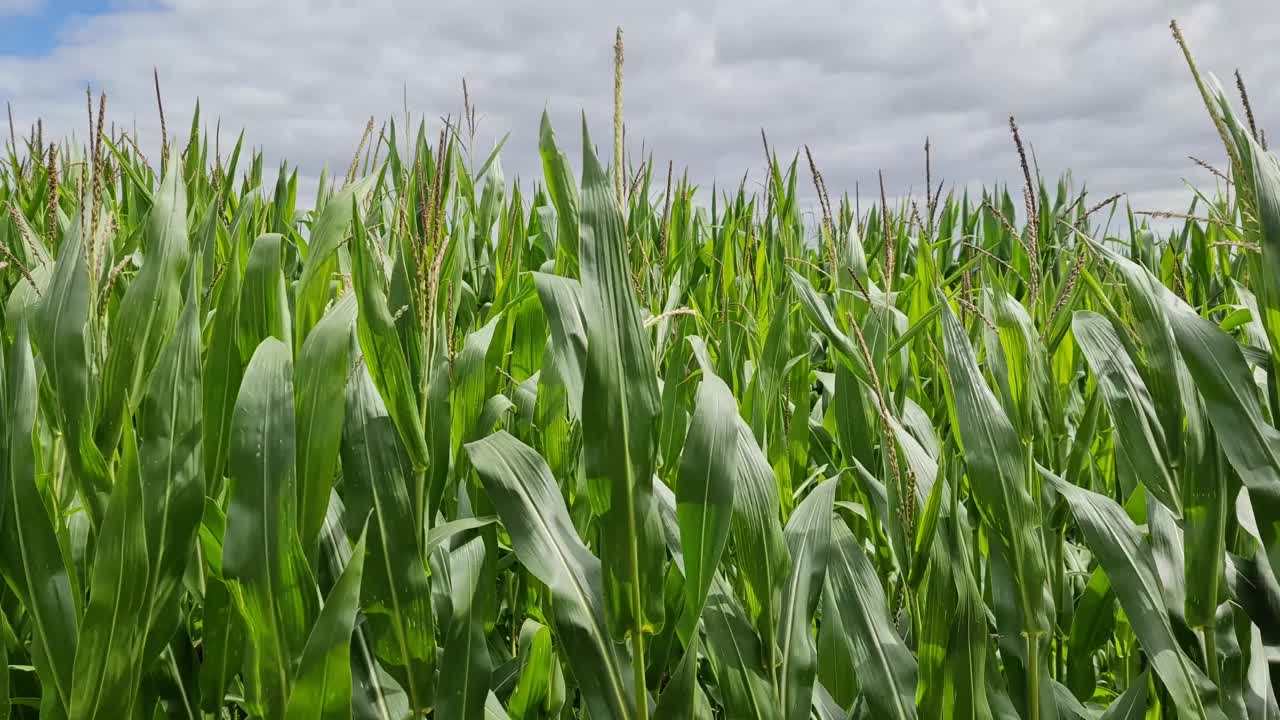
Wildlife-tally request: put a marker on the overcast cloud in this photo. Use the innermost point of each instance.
(1098, 86)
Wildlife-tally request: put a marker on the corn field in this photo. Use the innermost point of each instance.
(611, 445)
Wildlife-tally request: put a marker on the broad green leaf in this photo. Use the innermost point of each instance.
(1092, 625)
(758, 539)
(683, 697)
(1127, 560)
(33, 563)
(395, 593)
(1177, 411)
(886, 669)
(820, 317)
(328, 231)
(109, 654)
(1233, 406)
(532, 695)
(564, 195)
(1260, 693)
(1266, 188)
(954, 643)
(438, 430)
(223, 369)
(171, 472)
(380, 345)
(1205, 506)
(1132, 703)
(1140, 439)
(704, 493)
(222, 644)
(737, 660)
(5, 691)
(322, 689)
(375, 695)
(261, 553)
(445, 531)
(620, 406)
(567, 345)
(465, 675)
(998, 464)
(324, 364)
(808, 535)
(467, 385)
(65, 336)
(150, 307)
(533, 512)
(264, 304)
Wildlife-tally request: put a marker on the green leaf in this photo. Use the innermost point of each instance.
(324, 363)
(564, 195)
(465, 677)
(620, 406)
(437, 428)
(64, 335)
(467, 384)
(322, 689)
(763, 562)
(704, 494)
(1132, 703)
(1127, 560)
(1232, 404)
(1205, 506)
(375, 694)
(1266, 188)
(886, 669)
(537, 670)
(5, 691)
(1092, 626)
(998, 465)
(683, 697)
(326, 236)
(150, 307)
(1152, 303)
(737, 659)
(261, 553)
(33, 562)
(109, 654)
(223, 370)
(808, 536)
(380, 345)
(567, 346)
(1260, 694)
(172, 472)
(395, 595)
(264, 304)
(532, 510)
(222, 645)
(1140, 440)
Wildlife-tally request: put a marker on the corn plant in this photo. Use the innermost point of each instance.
(614, 446)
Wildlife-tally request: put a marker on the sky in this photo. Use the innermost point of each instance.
(1098, 86)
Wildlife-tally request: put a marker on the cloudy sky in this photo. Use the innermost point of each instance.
(1097, 85)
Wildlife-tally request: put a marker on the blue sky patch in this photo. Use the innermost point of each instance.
(34, 32)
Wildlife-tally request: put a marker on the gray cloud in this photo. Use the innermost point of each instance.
(1098, 86)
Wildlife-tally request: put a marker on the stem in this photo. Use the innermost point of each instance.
(617, 118)
(637, 608)
(637, 667)
(1033, 676)
(1211, 653)
(1033, 637)
(1059, 593)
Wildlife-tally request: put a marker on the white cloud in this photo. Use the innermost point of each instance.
(1098, 87)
